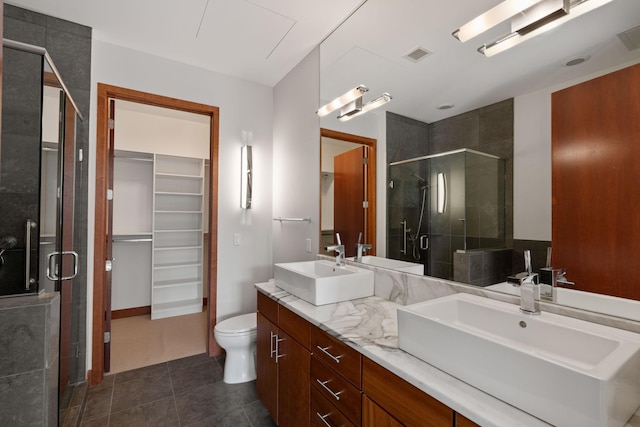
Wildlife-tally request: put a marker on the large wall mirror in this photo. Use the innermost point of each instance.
(451, 96)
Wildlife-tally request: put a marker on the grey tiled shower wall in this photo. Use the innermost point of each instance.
(69, 45)
(488, 129)
(29, 360)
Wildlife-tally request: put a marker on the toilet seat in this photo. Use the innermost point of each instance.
(239, 325)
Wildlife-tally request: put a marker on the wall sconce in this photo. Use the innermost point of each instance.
(351, 105)
(378, 102)
(530, 19)
(494, 16)
(441, 192)
(342, 100)
(245, 171)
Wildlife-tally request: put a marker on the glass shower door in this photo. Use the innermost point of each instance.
(408, 207)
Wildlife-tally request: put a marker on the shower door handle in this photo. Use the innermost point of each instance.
(424, 242)
(404, 238)
(52, 273)
(28, 281)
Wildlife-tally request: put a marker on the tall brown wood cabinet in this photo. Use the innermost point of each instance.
(283, 363)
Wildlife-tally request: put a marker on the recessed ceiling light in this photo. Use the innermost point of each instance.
(445, 106)
(577, 60)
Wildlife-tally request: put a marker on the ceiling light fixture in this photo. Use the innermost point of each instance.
(577, 8)
(378, 102)
(342, 100)
(500, 13)
(576, 61)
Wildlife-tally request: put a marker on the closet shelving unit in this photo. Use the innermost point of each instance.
(178, 198)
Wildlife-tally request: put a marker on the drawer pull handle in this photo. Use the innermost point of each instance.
(322, 418)
(331, 392)
(325, 351)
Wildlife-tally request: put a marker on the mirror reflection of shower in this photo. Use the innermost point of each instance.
(416, 245)
(443, 204)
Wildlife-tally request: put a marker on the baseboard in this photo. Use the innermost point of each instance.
(139, 311)
(130, 312)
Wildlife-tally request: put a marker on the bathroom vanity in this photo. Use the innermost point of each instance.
(306, 374)
(340, 364)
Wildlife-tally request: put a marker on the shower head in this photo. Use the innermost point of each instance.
(424, 185)
(7, 242)
(419, 177)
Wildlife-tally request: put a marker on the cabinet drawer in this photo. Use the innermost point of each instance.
(408, 404)
(324, 414)
(338, 355)
(268, 307)
(294, 325)
(462, 421)
(340, 392)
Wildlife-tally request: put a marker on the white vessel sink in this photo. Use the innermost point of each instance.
(322, 282)
(393, 264)
(565, 371)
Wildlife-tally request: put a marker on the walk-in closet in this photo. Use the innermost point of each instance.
(160, 212)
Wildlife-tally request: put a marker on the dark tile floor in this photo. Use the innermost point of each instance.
(183, 392)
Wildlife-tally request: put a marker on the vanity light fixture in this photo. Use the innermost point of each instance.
(441, 191)
(577, 8)
(246, 171)
(500, 13)
(342, 100)
(378, 102)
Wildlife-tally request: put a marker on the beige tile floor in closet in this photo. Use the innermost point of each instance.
(139, 341)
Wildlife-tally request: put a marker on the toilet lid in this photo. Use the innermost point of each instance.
(237, 324)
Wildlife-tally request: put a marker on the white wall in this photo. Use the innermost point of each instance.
(149, 129)
(296, 161)
(243, 106)
(532, 166)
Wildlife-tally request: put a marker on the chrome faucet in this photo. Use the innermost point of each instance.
(339, 250)
(550, 278)
(529, 288)
(361, 248)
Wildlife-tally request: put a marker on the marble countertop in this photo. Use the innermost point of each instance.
(370, 326)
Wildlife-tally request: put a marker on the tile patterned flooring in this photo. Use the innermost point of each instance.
(183, 392)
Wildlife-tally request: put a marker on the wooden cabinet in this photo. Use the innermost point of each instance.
(266, 368)
(306, 376)
(324, 413)
(462, 421)
(283, 363)
(374, 415)
(407, 404)
(336, 378)
(338, 355)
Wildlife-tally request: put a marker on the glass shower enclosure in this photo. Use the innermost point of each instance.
(443, 203)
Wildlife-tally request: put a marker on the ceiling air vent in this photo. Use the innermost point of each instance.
(631, 38)
(417, 54)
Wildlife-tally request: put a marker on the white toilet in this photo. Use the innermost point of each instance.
(237, 336)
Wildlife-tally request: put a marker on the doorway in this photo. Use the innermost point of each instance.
(107, 97)
(348, 190)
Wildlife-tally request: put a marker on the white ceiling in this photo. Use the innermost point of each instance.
(262, 40)
(369, 48)
(257, 40)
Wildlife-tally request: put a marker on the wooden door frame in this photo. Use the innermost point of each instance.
(371, 179)
(106, 92)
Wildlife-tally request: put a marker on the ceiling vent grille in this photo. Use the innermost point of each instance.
(417, 54)
(631, 38)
